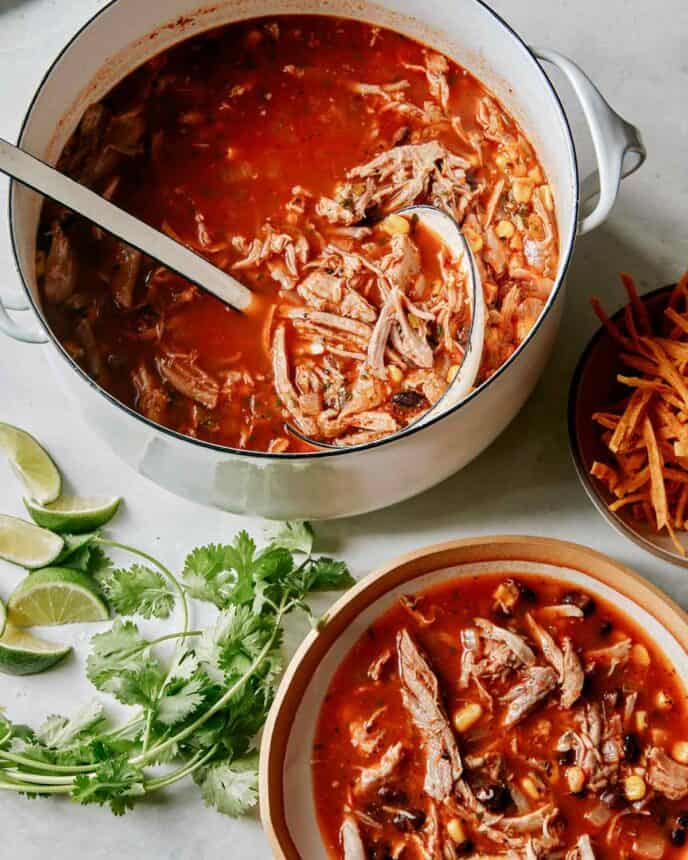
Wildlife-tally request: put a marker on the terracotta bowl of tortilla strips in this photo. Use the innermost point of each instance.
(560, 601)
(594, 388)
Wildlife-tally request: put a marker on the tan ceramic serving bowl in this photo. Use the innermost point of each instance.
(286, 792)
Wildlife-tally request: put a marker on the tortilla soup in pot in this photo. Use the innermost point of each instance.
(280, 149)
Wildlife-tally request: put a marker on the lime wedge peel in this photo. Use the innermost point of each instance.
(56, 595)
(3, 617)
(27, 545)
(31, 463)
(24, 654)
(74, 514)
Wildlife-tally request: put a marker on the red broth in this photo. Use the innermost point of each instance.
(511, 771)
(259, 145)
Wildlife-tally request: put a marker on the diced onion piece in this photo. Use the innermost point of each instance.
(599, 815)
(651, 845)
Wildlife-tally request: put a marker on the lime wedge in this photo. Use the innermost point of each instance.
(74, 514)
(3, 617)
(31, 463)
(25, 544)
(24, 654)
(56, 595)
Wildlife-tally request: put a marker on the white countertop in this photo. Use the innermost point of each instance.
(524, 483)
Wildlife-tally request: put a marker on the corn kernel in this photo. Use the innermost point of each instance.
(535, 173)
(679, 752)
(505, 230)
(317, 348)
(640, 655)
(659, 737)
(641, 721)
(467, 716)
(414, 322)
(516, 243)
(395, 225)
(475, 160)
(522, 189)
(519, 170)
(531, 788)
(634, 787)
(475, 240)
(506, 594)
(456, 831)
(359, 188)
(575, 777)
(451, 373)
(395, 374)
(502, 161)
(664, 701)
(546, 197)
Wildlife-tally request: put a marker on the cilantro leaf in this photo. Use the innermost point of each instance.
(327, 574)
(60, 732)
(137, 590)
(231, 786)
(228, 649)
(115, 782)
(80, 552)
(297, 536)
(120, 663)
(209, 574)
(181, 699)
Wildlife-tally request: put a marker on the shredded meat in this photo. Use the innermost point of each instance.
(350, 838)
(421, 697)
(185, 376)
(151, 399)
(381, 770)
(124, 275)
(564, 662)
(60, 267)
(667, 776)
(537, 682)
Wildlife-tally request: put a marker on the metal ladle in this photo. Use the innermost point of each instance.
(449, 233)
(41, 177)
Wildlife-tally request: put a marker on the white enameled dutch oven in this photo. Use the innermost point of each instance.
(126, 33)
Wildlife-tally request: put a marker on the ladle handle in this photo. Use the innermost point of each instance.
(41, 177)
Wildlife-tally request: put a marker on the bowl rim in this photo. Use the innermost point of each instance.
(591, 487)
(415, 427)
(406, 568)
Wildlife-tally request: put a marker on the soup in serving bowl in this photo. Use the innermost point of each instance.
(507, 697)
(124, 37)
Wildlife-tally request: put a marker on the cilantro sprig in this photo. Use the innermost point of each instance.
(198, 713)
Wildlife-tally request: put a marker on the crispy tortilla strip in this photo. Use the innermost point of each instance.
(605, 473)
(612, 328)
(632, 484)
(667, 370)
(657, 488)
(628, 424)
(606, 419)
(628, 500)
(637, 304)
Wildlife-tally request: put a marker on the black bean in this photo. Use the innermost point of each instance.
(583, 601)
(465, 848)
(527, 592)
(391, 795)
(495, 796)
(612, 798)
(605, 627)
(631, 748)
(566, 757)
(682, 819)
(408, 399)
(411, 819)
(678, 836)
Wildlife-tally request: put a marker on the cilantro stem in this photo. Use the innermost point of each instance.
(33, 764)
(185, 620)
(26, 788)
(39, 778)
(193, 764)
(222, 701)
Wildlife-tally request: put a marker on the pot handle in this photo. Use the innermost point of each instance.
(619, 148)
(11, 328)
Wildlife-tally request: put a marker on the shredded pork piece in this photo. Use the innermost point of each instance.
(667, 776)
(124, 275)
(583, 849)
(60, 267)
(377, 773)
(150, 397)
(565, 663)
(613, 656)
(350, 839)
(185, 376)
(515, 643)
(537, 682)
(421, 697)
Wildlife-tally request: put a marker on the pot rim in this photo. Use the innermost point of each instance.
(415, 427)
(404, 570)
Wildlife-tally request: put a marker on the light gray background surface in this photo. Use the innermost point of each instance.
(637, 52)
